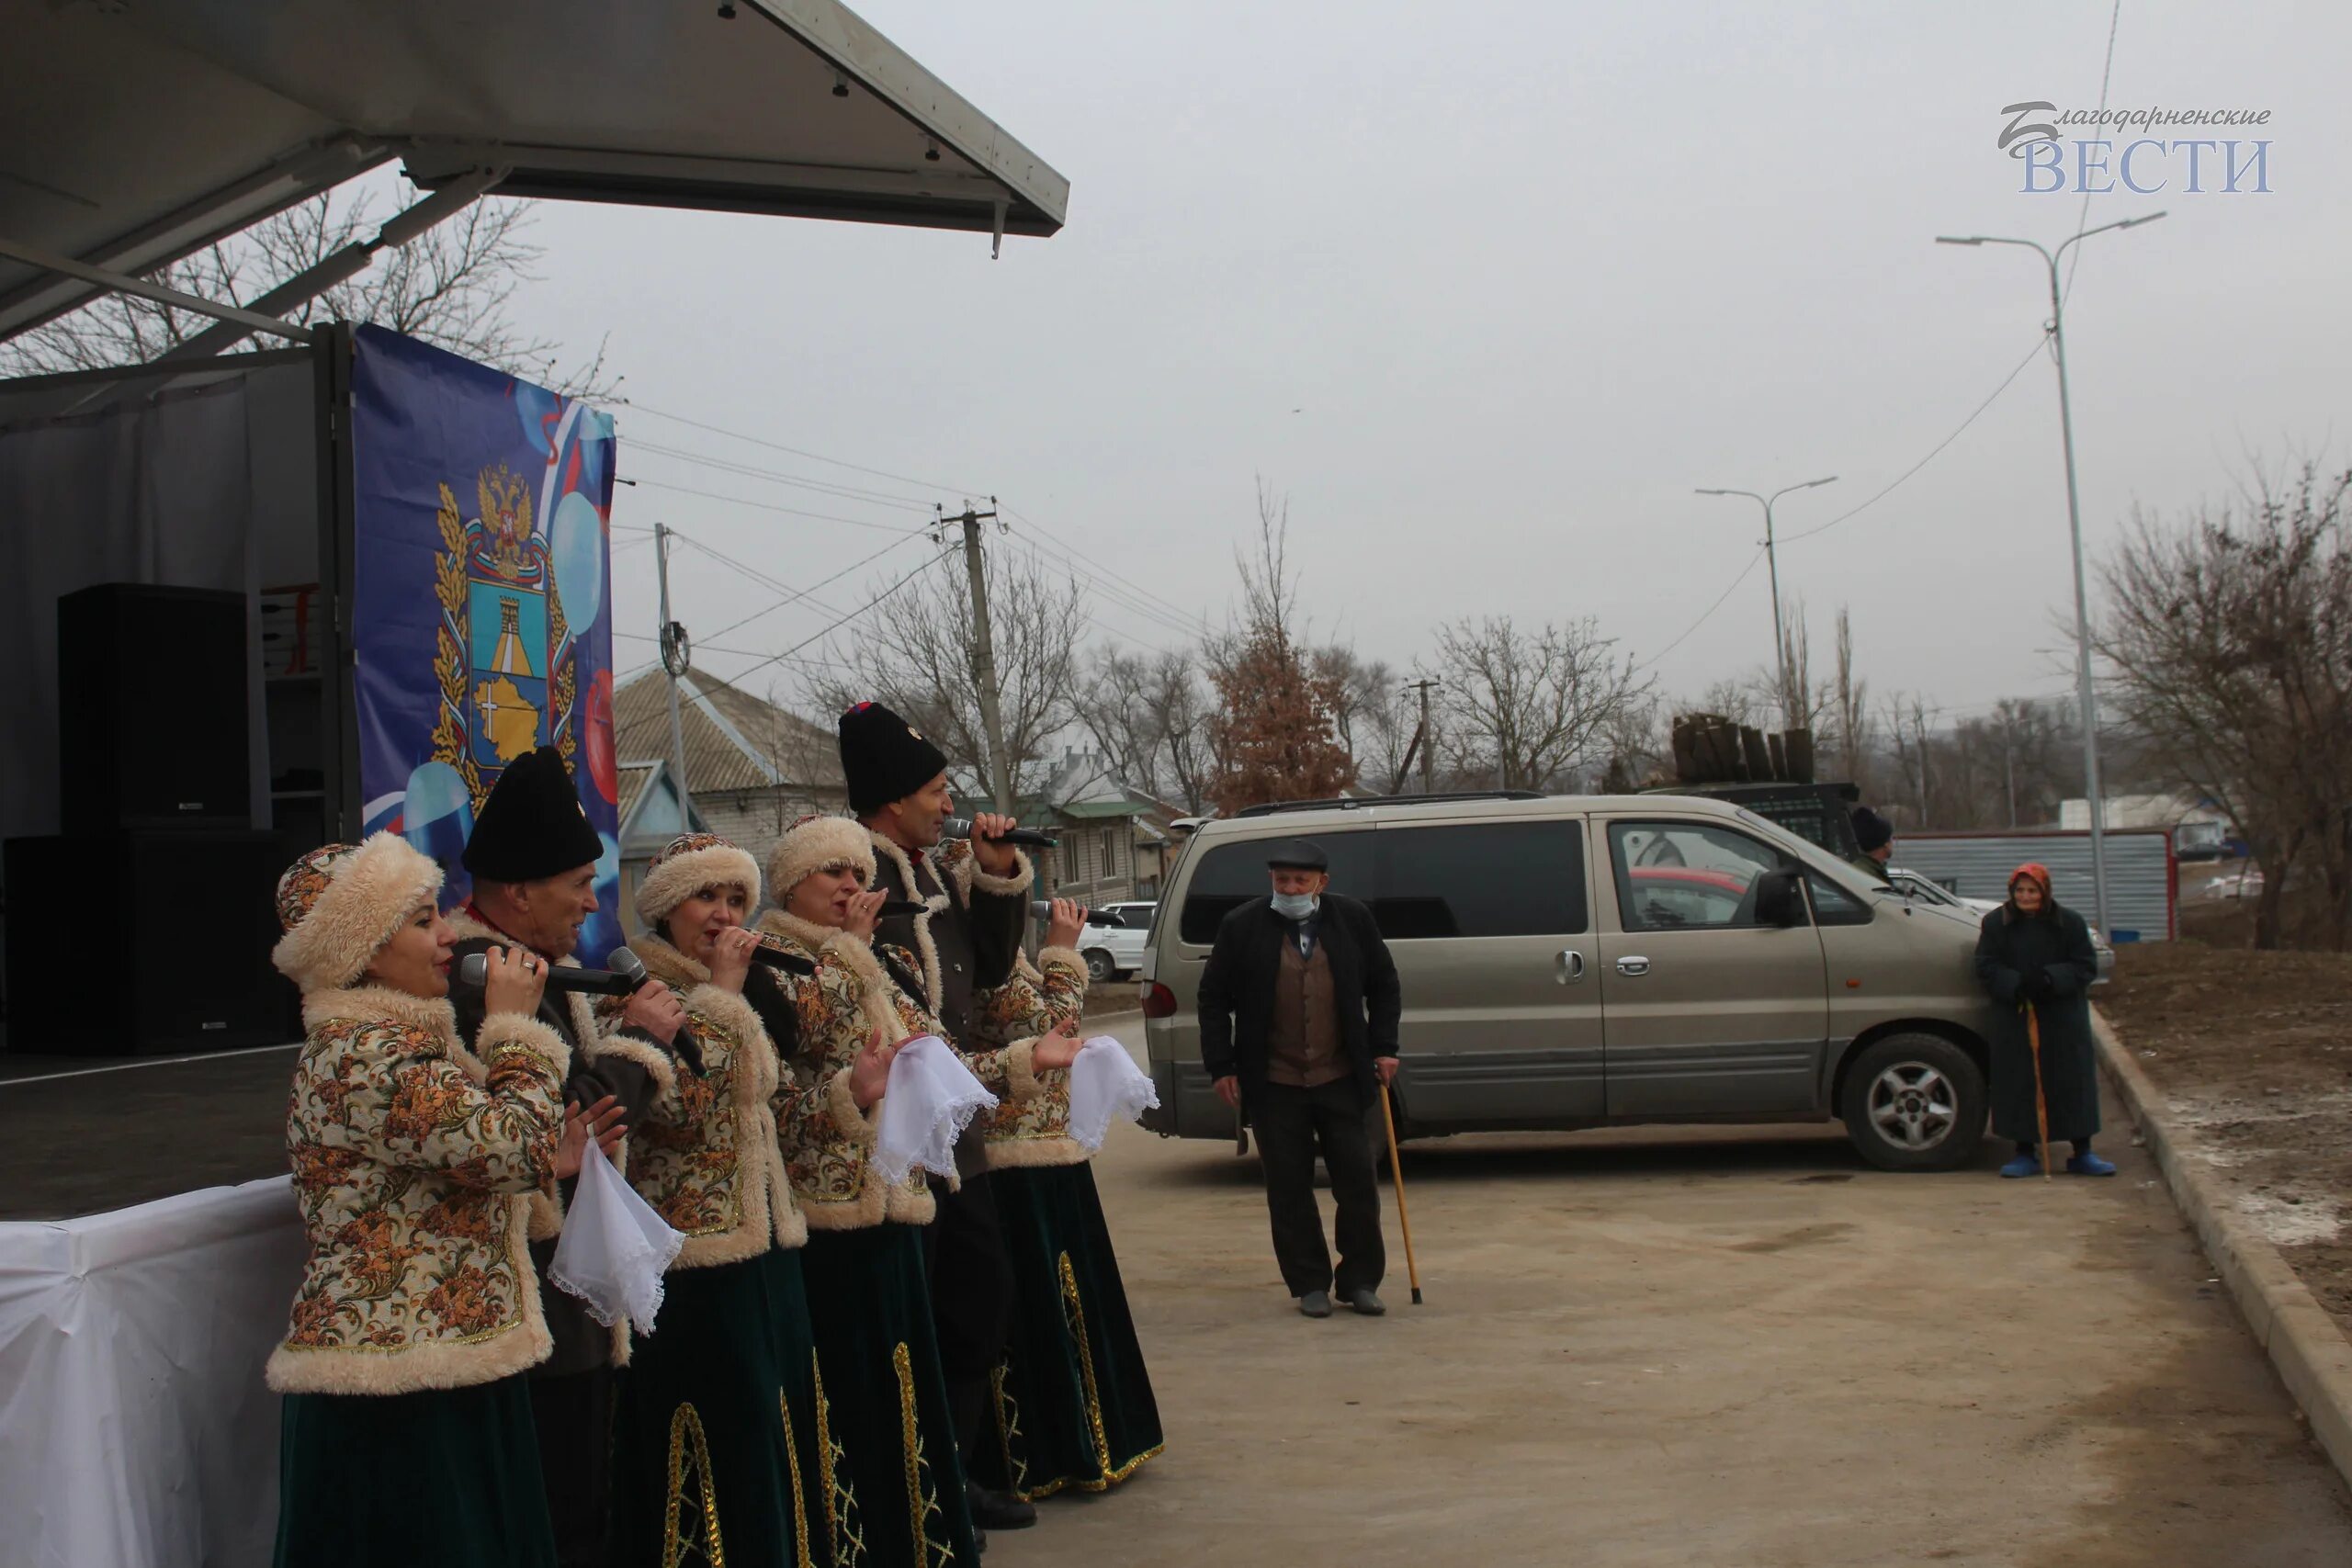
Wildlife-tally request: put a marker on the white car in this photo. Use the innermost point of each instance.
(1912, 884)
(1115, 952)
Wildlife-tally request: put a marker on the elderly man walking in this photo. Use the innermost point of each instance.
(1299, 1006)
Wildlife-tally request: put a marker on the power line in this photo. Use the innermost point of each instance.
(801, 452)
(2105, 71)
(2031, 354)
(1654, 659)
(1194, 624)
(771, 506)
(751, 470)
(827, 631)
(1116, 597)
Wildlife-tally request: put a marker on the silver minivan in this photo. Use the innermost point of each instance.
(1581, 961)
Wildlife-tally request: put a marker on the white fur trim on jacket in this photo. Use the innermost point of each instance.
(926, 945)
(678, 878)
(967, 876)
(360, 911)
(813, 846)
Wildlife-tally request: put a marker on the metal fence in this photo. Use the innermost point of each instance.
(2143, 882)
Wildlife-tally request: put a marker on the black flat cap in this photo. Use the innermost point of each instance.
(1298, 855)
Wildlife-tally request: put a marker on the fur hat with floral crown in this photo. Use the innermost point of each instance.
(813, 844)
(341, 903)
(687, 865)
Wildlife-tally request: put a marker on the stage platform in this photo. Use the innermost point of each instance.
(87, 1135)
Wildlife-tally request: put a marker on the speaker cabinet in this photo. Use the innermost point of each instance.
(153, 719)
(178, 961)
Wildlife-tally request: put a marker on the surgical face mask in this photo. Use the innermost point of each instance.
(1294, 906)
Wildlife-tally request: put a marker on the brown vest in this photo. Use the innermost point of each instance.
(1303, 1038)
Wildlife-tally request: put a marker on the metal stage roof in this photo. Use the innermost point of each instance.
(135, 131)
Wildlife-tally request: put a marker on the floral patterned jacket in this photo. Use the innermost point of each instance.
(827, 1140)
(705, 1150)
(413, 1158)
(1035, 1131)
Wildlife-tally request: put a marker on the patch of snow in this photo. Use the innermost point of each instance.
(2291, 1225)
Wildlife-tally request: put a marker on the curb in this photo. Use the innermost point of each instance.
(2313, 1358)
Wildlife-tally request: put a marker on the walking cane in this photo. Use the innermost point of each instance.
(2041, 1100)
(1396, 1175)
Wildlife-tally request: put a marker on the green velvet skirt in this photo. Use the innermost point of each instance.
(1073, 1401)
(895, 1498)
(446, 1476)
(715, 1447)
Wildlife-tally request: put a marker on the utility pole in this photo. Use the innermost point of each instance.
(677, 659)
(983, 654)
(1429, 785)
(2086, 695)
(1791, 700)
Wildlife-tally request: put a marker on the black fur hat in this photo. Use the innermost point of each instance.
(533, 824)
(884, 758)
(1871, 831)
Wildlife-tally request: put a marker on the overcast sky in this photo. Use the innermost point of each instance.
(1486, 290)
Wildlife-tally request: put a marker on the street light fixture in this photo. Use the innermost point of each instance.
(1772, 561)
(2057, 329)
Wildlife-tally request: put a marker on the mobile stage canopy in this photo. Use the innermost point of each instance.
(134, 1426)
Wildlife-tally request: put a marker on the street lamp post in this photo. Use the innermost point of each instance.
(1772, 564)
(2091, 786)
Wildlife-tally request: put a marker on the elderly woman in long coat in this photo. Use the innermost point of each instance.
(2035, 959)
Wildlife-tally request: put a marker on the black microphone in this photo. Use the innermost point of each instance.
(894, 909)
(1027, 838)
(777, 958)
(627, 973)
(1045, 911)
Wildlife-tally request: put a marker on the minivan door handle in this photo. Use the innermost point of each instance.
(1571, 966)
(1633, 965)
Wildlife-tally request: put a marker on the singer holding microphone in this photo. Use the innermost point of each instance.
(406, 1434)
(976, 894)
(717, 1448)
(838, 1018)
(533, 856)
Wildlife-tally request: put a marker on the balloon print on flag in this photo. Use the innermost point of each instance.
(481, 608)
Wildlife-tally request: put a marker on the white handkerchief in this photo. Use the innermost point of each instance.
(1104, 1082)
(928, 1099)
(615, 1247)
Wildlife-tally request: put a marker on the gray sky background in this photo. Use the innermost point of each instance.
(1528, 274)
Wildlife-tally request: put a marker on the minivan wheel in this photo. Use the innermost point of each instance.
(1915, 1102)
(1099, 967)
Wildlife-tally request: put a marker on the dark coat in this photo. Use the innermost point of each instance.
(1238, 991)
(2014, 951)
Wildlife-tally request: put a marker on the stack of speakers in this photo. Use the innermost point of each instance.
(145, 926)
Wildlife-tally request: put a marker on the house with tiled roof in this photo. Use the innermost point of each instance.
(752, 766)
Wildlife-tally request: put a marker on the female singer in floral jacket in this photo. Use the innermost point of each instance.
(838, 1014)
(406, 1434)
(720, 1453)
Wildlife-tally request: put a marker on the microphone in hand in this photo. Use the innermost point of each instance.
(1042, 911)
(1027, 838)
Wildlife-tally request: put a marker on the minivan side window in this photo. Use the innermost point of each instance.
(1229, 875)
(1687, 875)
(1480, 879)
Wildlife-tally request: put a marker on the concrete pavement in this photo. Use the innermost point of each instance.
(1718, 1347)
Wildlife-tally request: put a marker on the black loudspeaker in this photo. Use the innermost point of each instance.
(153, 726)
(179, 960)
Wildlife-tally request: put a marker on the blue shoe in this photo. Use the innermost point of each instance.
(2024, 1164)
(2089, 1164)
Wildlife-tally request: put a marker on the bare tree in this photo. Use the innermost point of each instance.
(1530, 708)
(915, 651)
(1146, 714)
(452, 286)
(1273, 735)
(2229, 637)
(1851, 708)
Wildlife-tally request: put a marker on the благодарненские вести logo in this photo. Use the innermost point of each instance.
(2098, 163)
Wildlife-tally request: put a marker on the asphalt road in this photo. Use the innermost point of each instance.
(1720, 1347)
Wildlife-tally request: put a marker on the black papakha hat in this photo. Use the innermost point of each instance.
(1871, 831)
(884, 758)
(533, 824)
(1297, 854)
